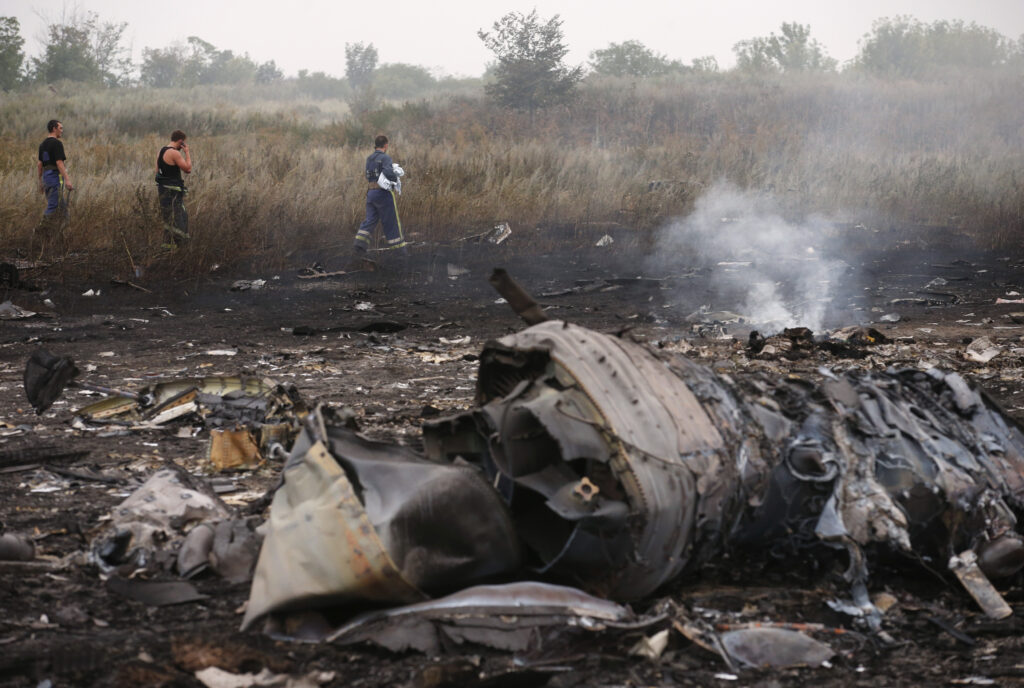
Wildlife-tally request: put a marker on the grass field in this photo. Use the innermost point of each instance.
(276, 171)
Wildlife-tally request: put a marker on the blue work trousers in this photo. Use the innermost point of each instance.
(53, 189)
(382, 207)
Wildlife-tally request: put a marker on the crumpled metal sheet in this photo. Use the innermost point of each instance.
(774, 647)
(357, 520)
(149, 525)
(513, 617)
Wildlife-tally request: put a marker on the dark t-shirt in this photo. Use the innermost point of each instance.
(50, 151)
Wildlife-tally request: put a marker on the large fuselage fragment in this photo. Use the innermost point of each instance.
(613, 467)
(653, 461)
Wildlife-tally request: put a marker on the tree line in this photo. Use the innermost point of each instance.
(529, 70)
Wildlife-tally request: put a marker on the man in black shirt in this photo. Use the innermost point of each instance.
(53, 172)
(171, 161)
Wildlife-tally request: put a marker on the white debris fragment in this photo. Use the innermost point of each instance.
(652, 647)
(973, 681)
(215, 677)
(91, 292)
(982, 350)
(455, 271)
(364, 306)
(455, 341)
(221, 352)
(500, 233)
(8, 311)
(106, 354)
(606, 240)
(245, 285)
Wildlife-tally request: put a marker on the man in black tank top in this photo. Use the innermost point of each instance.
(172, 160)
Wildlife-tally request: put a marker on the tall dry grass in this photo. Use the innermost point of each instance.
(276, 173)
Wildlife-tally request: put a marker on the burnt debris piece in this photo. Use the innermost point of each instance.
(592, 461)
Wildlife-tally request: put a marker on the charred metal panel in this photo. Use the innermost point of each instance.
(359, 521)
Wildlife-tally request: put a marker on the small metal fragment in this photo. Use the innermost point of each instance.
(965, 566)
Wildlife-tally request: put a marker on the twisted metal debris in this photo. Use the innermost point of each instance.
(594, 461)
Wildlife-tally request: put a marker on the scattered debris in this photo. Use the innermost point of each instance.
(890, 318)
(155, 593)
(605, 489)
(456, 271)
(8, 311)
(215, 677)
(651, 647)
(774, 647)
(247, 285)
(46, 376)
(965, 566)
(982, 350)
(606, 240)
(146, 528)
(500, 233)
(234, 448)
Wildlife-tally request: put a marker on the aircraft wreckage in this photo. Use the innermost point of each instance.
(593, 470)
(595, 462)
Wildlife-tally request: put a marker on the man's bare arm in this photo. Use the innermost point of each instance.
(184, 162)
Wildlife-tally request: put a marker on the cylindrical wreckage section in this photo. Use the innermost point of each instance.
(594, 461)
(603, 455)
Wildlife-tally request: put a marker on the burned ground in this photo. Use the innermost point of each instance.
(400, 345)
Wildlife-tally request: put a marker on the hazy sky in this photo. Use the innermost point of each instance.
(441, 35)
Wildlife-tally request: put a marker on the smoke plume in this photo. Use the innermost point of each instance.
(773, 272)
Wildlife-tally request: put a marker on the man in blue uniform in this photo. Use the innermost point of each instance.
(171, 161)
(382, 176)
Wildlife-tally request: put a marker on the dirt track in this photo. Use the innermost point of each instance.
(320, 334)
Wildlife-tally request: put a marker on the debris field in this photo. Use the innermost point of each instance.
(614, 476)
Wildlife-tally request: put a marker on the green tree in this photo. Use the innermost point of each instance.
(84, 49)
(268, 73)
(399, 80)
(631, 58)
(162, 67)
(320, 85)
(1015, 57)
(530, 72)
(11, 56)
(704, 65)
(360, 63)
(200, 62)
(792, 50)
(904, 46)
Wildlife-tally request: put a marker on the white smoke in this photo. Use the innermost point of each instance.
(770, 270)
